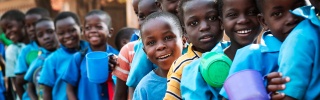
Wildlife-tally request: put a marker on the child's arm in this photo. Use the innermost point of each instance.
(121, 92)
(19, 84)
(31, 91)
(47, 92)
(71, 92)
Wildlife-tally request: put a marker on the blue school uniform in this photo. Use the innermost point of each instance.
(140, 65)
(261, 57)
(77, 76)
(135, 36)
(54, 67)
(38, 62)
(299, 57)
(193, 86)
(151, 87)
(22, 65)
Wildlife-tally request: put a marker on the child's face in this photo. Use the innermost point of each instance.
(315, 3)
(278, 18)
(145, 8)
(68, 32)
(240, 21)
(170, 6)
(202, 24)
(13, 30)
(162, 44)
(123, 42)
(96, 30)
(30, 20)
(45, 35)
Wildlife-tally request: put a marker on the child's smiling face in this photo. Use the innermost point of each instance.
(13, 30)
(278, 18)
(162, 44)
(96, 30)
(240, 21)
(45, 34)
(68, 32)
(202, 24)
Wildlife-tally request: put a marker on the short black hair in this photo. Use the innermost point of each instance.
(180, 10)
(14, 15)
(37, 10)
(220, 6)
(101, 13)
(124, 33)
(64, 15)
(173, 20)
(43, 19)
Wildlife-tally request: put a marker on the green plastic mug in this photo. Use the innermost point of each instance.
(214, 68)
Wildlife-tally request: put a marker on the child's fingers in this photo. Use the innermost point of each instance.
(274, 88)
(277, 96)
(274, 75)
(277, 81)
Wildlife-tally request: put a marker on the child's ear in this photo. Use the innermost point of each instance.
(262, 22)
(110, 32)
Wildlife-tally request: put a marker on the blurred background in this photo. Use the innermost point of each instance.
(121, 11)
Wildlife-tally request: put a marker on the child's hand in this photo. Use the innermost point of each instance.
(276, 83)
(113, 62)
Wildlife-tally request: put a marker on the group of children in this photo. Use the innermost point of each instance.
(163, 60)
(46, 59)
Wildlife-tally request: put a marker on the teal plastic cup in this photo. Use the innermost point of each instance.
(97, 66)
(214, 68)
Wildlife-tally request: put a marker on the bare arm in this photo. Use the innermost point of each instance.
(47, 95)
(19, 85)
(121, 92)
(71, 92)
(32, 91)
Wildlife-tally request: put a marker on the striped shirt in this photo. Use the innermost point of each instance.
(124, 60)
(175, 73)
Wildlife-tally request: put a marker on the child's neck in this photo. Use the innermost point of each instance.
(161, 72)
(232, 50)
(98, 48)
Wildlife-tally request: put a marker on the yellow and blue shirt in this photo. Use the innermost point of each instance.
(175, 73)
(193, 86)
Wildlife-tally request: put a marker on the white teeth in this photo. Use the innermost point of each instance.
(164, 56)
(244, 31)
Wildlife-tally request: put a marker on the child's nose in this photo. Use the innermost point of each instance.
(161, 46)
(204, 26)
(292, 19)
(243, 19)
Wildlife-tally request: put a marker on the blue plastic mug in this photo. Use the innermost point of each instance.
(246, 85)
(97, 66)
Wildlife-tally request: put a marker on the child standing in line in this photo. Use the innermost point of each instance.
(68, 32)
(96, 32)
(30, 52)
(47, 39)
(300, 63)
(203, 31)
(275, 16)
(12, 23)
(163, 45)
(239, 20)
